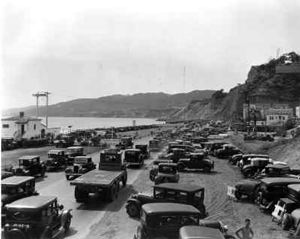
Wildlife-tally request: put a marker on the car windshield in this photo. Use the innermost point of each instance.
(53, 155)
(24, 162)
(167, 169)
(172, 221)
(71, 151)
(131, 153)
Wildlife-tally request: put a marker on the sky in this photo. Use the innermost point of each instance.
(88, 49)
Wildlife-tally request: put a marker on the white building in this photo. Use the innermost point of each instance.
(24, 127)
(298, 112)
(278, 117)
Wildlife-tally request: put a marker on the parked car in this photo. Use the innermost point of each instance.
(14, 188)
(154, 169)
(226, 151)
(211, 231)
(144, 150)
(176, 154)
(82, 165)
(196, 161)
(271, 190)
(64, 142)
(30, 165)
(154, 145)
(36, 217)
(286, 205)
(133, 157)
(215, 146)
(165, 219)
(56, 160)
(72, 152)
(125, 143)
(166, 173)
(235, 158)
(168, 192)
(256, 165)
(274, 170)
(246, 159)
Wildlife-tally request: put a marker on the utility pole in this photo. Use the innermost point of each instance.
(42, 94)
(184, 116)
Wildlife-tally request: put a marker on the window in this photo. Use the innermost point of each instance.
(34, 126)
(5, 126)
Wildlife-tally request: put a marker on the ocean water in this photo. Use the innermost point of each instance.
(93, 122)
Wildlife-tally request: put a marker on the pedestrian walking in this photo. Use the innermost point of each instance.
(245, 232)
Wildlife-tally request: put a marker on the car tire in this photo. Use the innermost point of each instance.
(68, 177)
(180, 167)
(80, 195)
(206, 169)
(286, 221)
(112, 193)
(124, 180)
(258, 198)
(132, 209)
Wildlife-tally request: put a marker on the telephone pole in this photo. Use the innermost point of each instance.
(42, 94)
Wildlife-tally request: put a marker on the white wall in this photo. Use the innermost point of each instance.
(298, 111)
(8, 132)
(30, 131)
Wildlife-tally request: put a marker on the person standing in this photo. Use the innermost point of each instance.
(245, 232)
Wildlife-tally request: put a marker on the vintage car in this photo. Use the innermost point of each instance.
(166, 173)
(246, 159)
(36, 217)
(235, 158)
(246, 188)
(196, 161)
(154, 145)
(163, 220)
(64, 142)
(14, 188)
(274, 170)
(30, 165)
(82, 165)
(256, 165)
(133, 157)
(214, 146)
(176, 154)
(211, 231)
(144, 150)
(168, 192)
(72, 152)
(56, 160)
(125, 143)
(154, 169)
(226, 151)
(285, 206)
(271, 190)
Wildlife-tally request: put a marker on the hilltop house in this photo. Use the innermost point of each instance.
(25, 127)
(278, 117)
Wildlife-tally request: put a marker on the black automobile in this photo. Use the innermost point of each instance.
(133, 157)
(144, 150)
(82, 165)
(56, 160)
(227, 151)
(196, 161)
(30, 165)
(168, 192)
(36, 217)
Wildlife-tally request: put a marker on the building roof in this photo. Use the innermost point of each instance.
(31, 203)
(21, 120)
(169, 208)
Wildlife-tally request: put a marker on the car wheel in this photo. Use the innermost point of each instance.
(133, 209)
(124, 180)
(80, 195)
(151, 177)
(67, 223)
(112, 194)
(258, 198)
(180, 167)
(206, 169)
(286, 221)
(68, 177)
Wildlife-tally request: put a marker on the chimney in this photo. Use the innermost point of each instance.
(21, 114)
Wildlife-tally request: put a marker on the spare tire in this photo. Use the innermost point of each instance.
(15, 234)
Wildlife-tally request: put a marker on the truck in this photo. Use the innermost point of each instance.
(104, 181)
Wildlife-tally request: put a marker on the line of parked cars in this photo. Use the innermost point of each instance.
(272, 185)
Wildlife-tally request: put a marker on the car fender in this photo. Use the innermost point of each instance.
(134, 200)
(16, 232)
(64, 216)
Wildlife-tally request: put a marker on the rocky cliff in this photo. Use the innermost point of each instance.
(263, 85)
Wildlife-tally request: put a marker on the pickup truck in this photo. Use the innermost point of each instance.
(104, 181)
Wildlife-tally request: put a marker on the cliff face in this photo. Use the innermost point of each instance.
(263, 85)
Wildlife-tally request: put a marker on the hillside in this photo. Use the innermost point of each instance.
(262, 85)
(138, 105)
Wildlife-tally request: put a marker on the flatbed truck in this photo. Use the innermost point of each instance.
(105, 180)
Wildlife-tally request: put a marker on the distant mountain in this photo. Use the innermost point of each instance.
(154, 105)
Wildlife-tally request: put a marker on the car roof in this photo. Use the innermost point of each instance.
(168, 164)
(295, 187)
(259, 159)
(82, 157)
(132, 150)
(199, 232)
(75, 147)
(15, 180)
(53, 151)
(280, 180)
(31, 203)
(168, 207)
(29, 157)
(256, 155)
(179, 186)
